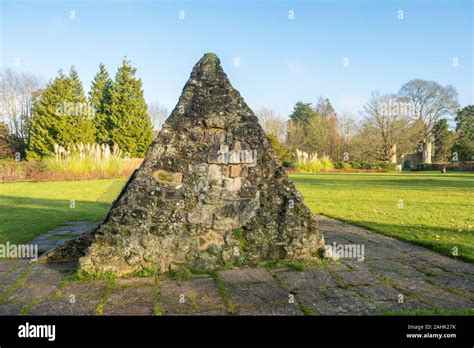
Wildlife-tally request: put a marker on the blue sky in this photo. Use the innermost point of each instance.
(281, 60)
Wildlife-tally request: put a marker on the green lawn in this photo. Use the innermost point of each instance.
(30, 208)
(431, 209)
(437, 211)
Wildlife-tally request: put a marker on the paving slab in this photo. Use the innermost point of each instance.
(140, 307)
(276, 310)
(248, 295)
(405, 306)
(306, 279)
(130, 301)
(135, 282)
(12, 308)
(30, 290)
(350, 304)
(80, 306)
(93, 288)
(356, 277)
(378, 292)
(173, 308)
(195, 296)
(455, 282)
(131, 294)
(245, 275)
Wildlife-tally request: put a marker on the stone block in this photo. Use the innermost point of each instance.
(200, 168)
(214, 173)
(168, 178)
(235, 171)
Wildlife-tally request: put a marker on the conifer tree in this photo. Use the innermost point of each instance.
(99, 99)
(61, 117)
(45, 121)
(77, 116)
(130, 126)
(302, 113)
(464, 145)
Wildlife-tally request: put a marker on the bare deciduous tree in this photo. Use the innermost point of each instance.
(158, 114)
(348, 128)
(430, 101)
(18, 92)
(272, 123)
(296, 137)
(388, 119)
(366, 144)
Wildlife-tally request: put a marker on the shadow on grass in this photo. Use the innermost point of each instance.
(25, 218)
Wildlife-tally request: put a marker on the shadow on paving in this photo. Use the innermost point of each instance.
(395, 277)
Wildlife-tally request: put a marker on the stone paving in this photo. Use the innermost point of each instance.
(394, 276)
(59, 236)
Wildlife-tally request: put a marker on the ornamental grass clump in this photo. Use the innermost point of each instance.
(310, 163)
(82, 159)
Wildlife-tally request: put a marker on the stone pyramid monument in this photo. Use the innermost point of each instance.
(210, 191)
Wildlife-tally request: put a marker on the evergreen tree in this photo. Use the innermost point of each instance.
(77, 116)
(61, 117)
(464, 145)
(76, 85)
(302, 113)
(45, 120)
(131, 127)
(100, 99)
(443, 140)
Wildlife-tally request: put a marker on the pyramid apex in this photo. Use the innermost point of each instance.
(210, 58)
(209, 68)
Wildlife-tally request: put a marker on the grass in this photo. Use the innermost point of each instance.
(230, 307)
(237, 232)
(298, 266)
(108, 289)
(157, 310)
(28, 209)
(181, 274)
(144, 273)
(430, 209)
